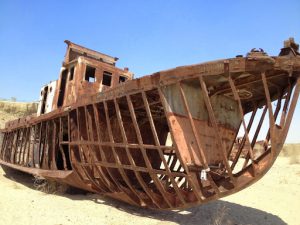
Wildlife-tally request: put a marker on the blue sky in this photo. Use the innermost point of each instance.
(147, 36)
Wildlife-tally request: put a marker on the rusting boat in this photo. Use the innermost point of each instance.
(174, 139)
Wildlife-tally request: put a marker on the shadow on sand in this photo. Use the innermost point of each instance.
(214, 213)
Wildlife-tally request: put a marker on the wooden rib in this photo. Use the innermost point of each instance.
(3, 145)
(145, 157)
(44, 157)
(6, 146)
(235, 137)
(237, 98)
(33, 144)
(12, 145)
(90, 163)
(237, 156)
(198, 142)
(157, 143)
(25, 145)
(86, 178)
(31, 132)
(245, 84)
(29, 145)
(82, 154)
(9, 147)
(258, 128)
(42, 144)
(101, 184)
(117, 160)
(285, 107)
(277, 110)
(196, 188)
(291, 111)
(86, 121)
(15, 144)
(121, 145)
(269, 104)
(215, 125)
(39, 144)
(54, 138)
(89, 127)
(156, 140)
(131, 167)
(89, 124)
(117, 183)
(124, 138)
(170, 162)
(20, 145)
(60, 137)
(108, 183)
(10, 154)
(120, 169)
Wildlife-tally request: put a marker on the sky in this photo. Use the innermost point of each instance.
(147, 36)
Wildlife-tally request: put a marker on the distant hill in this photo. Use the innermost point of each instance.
(10, 110)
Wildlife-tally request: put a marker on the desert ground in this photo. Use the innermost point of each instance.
(274, 200)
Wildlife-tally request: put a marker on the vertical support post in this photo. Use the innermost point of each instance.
(109, 185)
(140, 143)
(215, 125)
(157, 143)
(195, 187)
(237, 98)
(124, 138)
(198, 142)
(291, 111)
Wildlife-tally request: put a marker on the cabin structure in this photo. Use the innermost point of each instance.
(84, 72)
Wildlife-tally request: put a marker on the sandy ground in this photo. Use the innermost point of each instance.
(273, 200)
(13, 110)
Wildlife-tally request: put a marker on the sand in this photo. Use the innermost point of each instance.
(275, 199)
(13, 110)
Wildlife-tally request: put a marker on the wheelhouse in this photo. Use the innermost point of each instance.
(84, 72)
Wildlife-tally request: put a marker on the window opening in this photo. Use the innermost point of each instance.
(62, 88)
(71, 73)
(44, 99)
(106, 78)
(90, 74)
(122, 79)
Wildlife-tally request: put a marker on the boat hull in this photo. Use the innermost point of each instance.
(168, 140)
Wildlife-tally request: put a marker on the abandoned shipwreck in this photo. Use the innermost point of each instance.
(173, 139)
